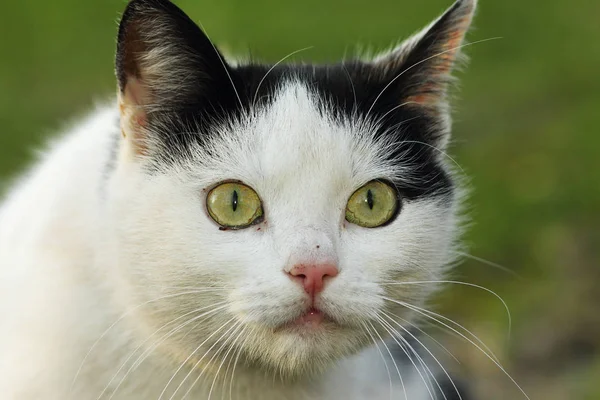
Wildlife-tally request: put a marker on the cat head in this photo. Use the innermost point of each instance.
(280, 212)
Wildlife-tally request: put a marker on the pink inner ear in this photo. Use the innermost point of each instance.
(442, 65)
(133, 102)
(424, 99)
(135, 96)
(452, 44)
(135, 92)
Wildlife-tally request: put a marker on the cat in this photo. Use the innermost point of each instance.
(244, 231)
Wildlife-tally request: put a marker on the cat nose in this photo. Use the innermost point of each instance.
(312, 276)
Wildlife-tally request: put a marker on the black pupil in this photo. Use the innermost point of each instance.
(234, 201)
(370, 199)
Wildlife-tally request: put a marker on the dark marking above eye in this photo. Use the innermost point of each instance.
(234, 201)
(370, 199)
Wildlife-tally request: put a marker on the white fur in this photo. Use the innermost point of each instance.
(82, 248)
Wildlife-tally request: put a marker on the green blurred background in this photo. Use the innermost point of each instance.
(526, 132)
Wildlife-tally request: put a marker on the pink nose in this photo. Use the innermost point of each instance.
(312, 276)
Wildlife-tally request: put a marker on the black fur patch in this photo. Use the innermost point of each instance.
(351, 88)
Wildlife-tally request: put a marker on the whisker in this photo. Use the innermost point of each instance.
(227, 372)
(434, 148)
(142, 344)
(188, 359)
(415, 308)
(224, 66)
(441, 328)
(395, 335)
(233, 360)
(464, 284)
(379, 119)
(422, 362)
(146, 353)
(275, 66)
(236, 361)
(432, 315)
(429, 352)
(489, 263)
(421, 62)
(224, 359)
(207, 288)
(235, 327)
(192, 329)
(429, 337)
(393, 360)
(351, 85)
(382, 357)
(128, 312)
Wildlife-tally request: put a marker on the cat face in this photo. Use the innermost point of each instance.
(270, 212)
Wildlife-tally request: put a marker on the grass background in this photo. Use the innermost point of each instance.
(527, 132)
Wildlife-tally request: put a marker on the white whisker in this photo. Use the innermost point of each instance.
(432, 315)
(429, 337)
(489, 263)
(128, 312)
(421, 62)
(142, 344)
(227, 336)
(392, 358)
(242, 331)
(464, 284)
(189, 357)
(433, 148)
(229, 363)
(236, 361)
(395, 335)
(351, 85)
(146, 353)
(429, 352)
(234, 327)
(273, 67)
(415, 308)
(391, 110)
(224, 66)
(382, 357)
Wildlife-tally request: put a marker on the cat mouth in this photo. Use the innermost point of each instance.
(312, 319)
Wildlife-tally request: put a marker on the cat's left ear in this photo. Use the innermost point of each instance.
(417, 72)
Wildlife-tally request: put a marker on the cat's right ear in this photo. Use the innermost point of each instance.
(165, 64)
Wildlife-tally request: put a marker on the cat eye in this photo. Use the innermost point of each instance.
(373, 205)
(234, 205)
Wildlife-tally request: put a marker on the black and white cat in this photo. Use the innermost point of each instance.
(243, 231)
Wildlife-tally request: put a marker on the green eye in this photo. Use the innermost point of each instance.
(234, 205)
(372, 205)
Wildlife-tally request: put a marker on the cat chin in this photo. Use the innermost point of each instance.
(300, 350)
